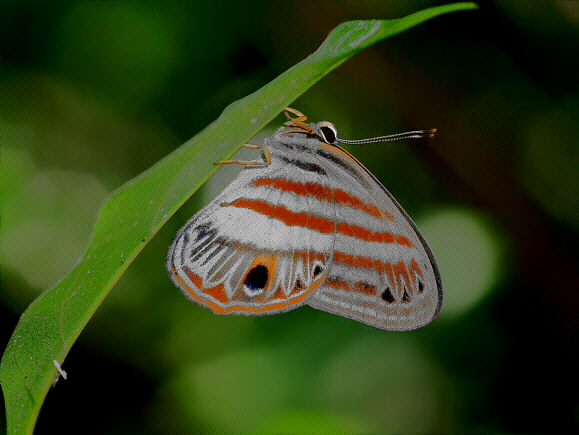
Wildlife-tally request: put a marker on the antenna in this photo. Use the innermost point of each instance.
(415, 134)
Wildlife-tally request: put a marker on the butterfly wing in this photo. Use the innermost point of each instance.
(383, 272)
(263, 245)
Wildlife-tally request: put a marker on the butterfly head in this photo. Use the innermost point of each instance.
(324, 131)
(328, 133)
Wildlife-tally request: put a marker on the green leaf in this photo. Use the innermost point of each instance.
(132, 215)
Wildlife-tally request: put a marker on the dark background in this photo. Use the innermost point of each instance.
(94, 93)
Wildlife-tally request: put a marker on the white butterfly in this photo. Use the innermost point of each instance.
(308, 224)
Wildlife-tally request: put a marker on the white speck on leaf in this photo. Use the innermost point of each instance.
(340, 40)
(60, 372)
(370, 32)
(253, 120)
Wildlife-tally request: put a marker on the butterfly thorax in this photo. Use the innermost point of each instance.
(304, 142)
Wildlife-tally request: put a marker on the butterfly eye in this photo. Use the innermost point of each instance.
(256, 280)
(329, 134)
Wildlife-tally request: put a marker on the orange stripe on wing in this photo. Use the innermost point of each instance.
(365, 288)
(311, 255)
(398, 273)
(359, 286)
(356, 260)
(344, 198)
(323, 193)
(195, 279)
(188, 289)
(317, 223)
(392, 269)
(372, 236)
(401, 271)
(273, 306)
(318, 191)
(338, 283)
(218, 292)
(281, 213)
(415, 267)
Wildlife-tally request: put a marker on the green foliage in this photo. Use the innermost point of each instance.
(134, 213)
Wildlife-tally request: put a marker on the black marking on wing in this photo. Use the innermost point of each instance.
(387, 295)
(257, 277)
(202, 247)
(294, 146)
(340, 163)
(204, 230)
(309, 167)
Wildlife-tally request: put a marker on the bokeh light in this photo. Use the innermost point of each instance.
(469, 255)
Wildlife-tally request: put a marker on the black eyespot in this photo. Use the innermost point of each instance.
(387, 296)
(256, 279)
(420, 286)
(317, 270)
(406, 297)
(298, 285)
(329, 134)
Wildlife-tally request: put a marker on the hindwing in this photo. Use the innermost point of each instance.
(383, 272)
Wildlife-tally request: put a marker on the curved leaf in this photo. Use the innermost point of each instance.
(132, 215)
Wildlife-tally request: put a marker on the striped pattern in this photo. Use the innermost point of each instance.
(313, 227)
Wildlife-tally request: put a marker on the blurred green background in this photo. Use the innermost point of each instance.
(92, 94)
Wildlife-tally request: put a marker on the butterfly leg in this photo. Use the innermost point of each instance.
(299, 121)
(264, 153)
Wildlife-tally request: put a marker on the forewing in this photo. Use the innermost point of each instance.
(264, 244)
(383, 272)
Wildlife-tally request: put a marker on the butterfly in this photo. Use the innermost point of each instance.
(308, 224)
